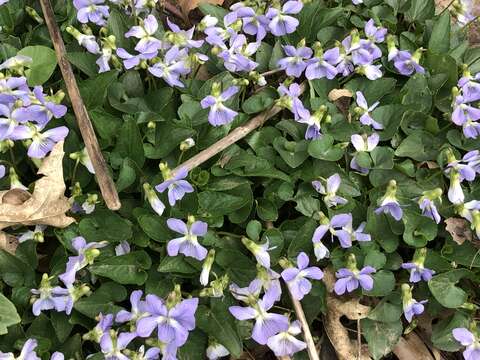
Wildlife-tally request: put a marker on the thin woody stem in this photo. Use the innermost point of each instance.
(236, 135)
(307, 335)
(105, 182)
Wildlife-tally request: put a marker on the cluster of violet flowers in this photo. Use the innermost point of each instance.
(466, 112)
(28, 351)
(171, 319)
(25, 113)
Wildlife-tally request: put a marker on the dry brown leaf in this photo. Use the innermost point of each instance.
(9, 243)
(189, 5)
(47, 205)
(459, 229)
(336, 308)
(412, 347)
(336, 94)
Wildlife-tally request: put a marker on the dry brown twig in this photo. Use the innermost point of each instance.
(105, 182)
(410, 347)
(236, 135)
(336, 332)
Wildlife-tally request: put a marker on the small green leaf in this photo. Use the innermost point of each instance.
(442, 337)
(421, 10)
(8, 314)
(125, 269)
(105, 225)
(43, 64)
(127, 175)
(102, 300)
(381, 336)
(444, 290)
(324, 149)
(260, 101)
(440, 39)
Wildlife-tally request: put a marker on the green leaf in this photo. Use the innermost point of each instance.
(61, 324)
(222, 203)
(420, 146)
(94, 91)
(155, 227)
(375, 259)
(303, 240)
(419, 229)
(127, 175)
(324, 149)
(260, 101)
(313, 17)
(442, 337)
(253, 229)
(84, 61)
(14, 272)
(102, 300)
(293, 153)
(129, 144)
(440, 39)
(165, 144)
(383, 283)
(8, 314)
(381, 336)
(266, 210)
(382, 157)
(105, 124)
(176, 264)
(389, 309)
(125, 269)
(444, 290)
(43, 65)
(219, 324)
(105, 225)
(240, 267)
(421, 10)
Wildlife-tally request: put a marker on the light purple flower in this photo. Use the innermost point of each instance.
(389, 203)
(323, 66)
(296, 61)
(253, 290)
(365, 110)
(292, 94)
(172, 324)
(14, 88)
(470, 341)
(429, 209)
(27, 352)
(122, 248)
(112, 344)
(270, 282)
(130, 61)
(86, 253)
(297, 278)
(357, 2)
(361, 144)
(171, 67)
(266, 324)
(280, 21)
(91, 10)
(57, 356)
(455, 192)
(253, 23)
(145, 32)
(176, 185)
(43, 112)
(349, 280)
(137, 308)
(183, 38)
(42, 143)
(220, 114)
(285, 343)
(346, 235)
(188, 244)
(331, 198)
(418, 272)
(10, 118)
(260, 251)
(50, 298)
(216, 351)
(237, 57)
(407, 64)
(375, 34)
(337, 222)
(470, 88)
(412, 308)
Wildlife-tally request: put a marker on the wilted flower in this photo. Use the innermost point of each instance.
(297, 278)
(411, 307)
(188, 244)
(389, 203)
(206, 267)
(219, 114)
(35, 235)
(285, 343)
(350, 278)
(83, 158)
(90, 203)
(455, 191)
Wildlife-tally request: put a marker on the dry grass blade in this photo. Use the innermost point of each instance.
(47, 204)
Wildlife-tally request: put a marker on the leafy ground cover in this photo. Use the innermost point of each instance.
(293, 176)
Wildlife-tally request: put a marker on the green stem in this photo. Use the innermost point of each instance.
(226, 233)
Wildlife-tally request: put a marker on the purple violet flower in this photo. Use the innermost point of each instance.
(137, 309)
(364, 111)
(42, 143)
(130, 61)
(323, 65)
(470, 341)
(112, 344)
(253, 290)
(172, 324)
(176, 185)
(411, 307)
(219, 114)
(427, 204)
(291, 98)
(171, 67)
(280, 21)
(418, 272)
(49, 297)
(407, 64)
(260, 251)
(375, 34)
(389, 203)
(331, 198)
(285, 343)
(296, 61)
(237, 57)
(349, 280)
(470, 88)
(182, 38)
(297, 278)
(266, 324)
(91, 10)
(188, 244)
(145, 32)
(14, 88)
(27, 352)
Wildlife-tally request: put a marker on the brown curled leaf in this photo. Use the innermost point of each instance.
(9, 243)
(411, 346)
(47, 204)
(459, 229)
(345, 348)
(341, 98)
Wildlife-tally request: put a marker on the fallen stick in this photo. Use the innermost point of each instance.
(307, 335)
(237, 134)
(105, 182)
